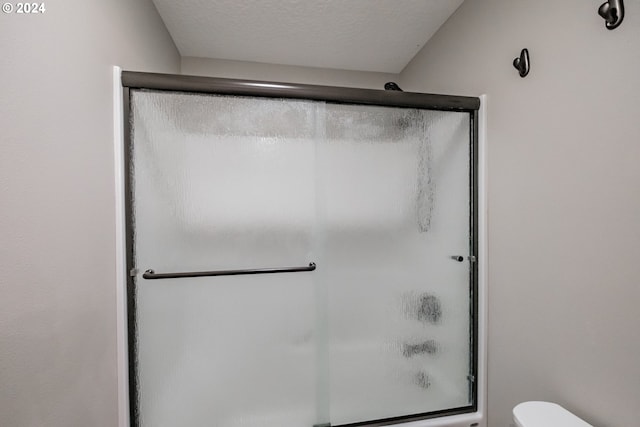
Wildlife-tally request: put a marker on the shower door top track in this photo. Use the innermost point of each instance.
(346, 95)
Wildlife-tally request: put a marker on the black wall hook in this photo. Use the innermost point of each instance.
(613, 13)
(522, 63)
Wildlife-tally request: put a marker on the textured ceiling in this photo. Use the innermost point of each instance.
(367, 35)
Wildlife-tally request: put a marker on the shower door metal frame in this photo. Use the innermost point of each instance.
(132, 80)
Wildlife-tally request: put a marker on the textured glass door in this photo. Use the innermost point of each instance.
(396, 190)
(378, 197)
(224, 183)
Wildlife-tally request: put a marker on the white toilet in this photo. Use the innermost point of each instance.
(545, 414)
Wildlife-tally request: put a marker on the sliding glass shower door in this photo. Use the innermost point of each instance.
(395, 189)
(298, 263)
(224, 183)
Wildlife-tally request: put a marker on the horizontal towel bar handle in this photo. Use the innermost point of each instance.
(151, 275)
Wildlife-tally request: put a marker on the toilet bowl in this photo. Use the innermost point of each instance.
(545, 414)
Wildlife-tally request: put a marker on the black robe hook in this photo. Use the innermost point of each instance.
(522, 63)
(613, 13)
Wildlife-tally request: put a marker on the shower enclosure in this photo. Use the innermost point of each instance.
(299, 255)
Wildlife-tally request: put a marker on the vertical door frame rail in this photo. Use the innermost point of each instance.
(341, 95)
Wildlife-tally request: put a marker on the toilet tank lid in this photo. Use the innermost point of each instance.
(545, 414)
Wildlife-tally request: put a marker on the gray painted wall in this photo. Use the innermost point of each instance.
(284, 73)
(57, 263)
(564, 198)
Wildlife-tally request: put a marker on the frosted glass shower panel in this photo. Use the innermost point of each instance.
(224, 183)
(395, 192)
